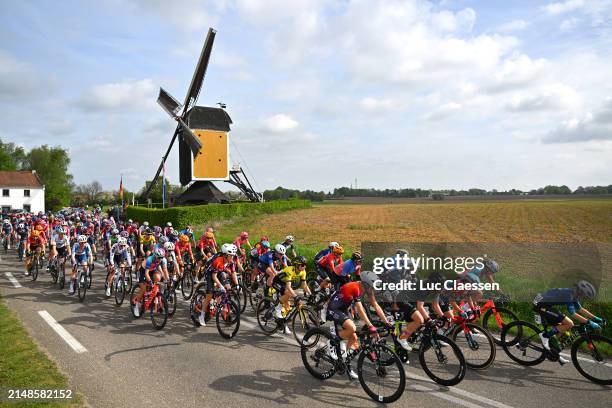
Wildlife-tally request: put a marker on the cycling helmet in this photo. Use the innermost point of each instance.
(368, 278)
(168, 224)
(169, 246)
(7, 222)
(60, 230)
(35, 233)
(333, 244)
(163, 239)
(229, 249)
(122, 241)
(586, 289)
(175, 233)
(280, 248)
(244, 235)
(148, 231)
(21, 226)
(209, 234)
(146, 223)
(81, 239)
(338, 250)
(184, 238)
(39, 227)
(491, 266)
(159, 253)
(289, 238)
(300, 260)
(115, 231)
(124, 234)
(265, 244)
(130, 221)
(264, 238)
(356, 256)
(157, 229)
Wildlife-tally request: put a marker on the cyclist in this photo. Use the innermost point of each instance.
(326, 264)
(119, 253)
(474, 275)
(81, 255)
(342, 272)
(183, 248)
(242, 239)
(168, 230)
(289, 244)
(268, 261)
(171, 259)
(60, 245)
(34, 244)
(544, 304)
(291, 277)
(147, 242)
(338, 310)
(153, 264)
(258, 250)
(219, 265)
(7, 231)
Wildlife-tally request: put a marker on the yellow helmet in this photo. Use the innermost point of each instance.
(35, 233)
(184, 238)
(338, 250)
(209, 234)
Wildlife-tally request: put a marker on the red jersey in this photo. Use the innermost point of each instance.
(36, 241)
(181, 247)
(330, 261)
(218, 265)
(204, 243)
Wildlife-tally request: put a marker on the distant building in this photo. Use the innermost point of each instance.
(21, 190)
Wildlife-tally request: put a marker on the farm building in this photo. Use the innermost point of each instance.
(21, 190)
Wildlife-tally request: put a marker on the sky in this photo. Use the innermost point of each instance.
(396, 94)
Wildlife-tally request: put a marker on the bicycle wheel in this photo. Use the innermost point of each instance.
(228, 319)
(477, 346)
(442, 360)
(315, 353)
(195, 305)
(35, 270)
(244, 297)
(593, 359)
(159, 311)
(132, 296)
(303, 320)
(119, 287)
(265, 316)
(89, 276)
(381, 374)
(54, 274)
(494, 323)
(521, 342)
(61, 280)
(81, 285)
(187, 284)
(171, 299)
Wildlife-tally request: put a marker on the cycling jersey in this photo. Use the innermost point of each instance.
(342, 300)
(147, 240)
(181, 248)
(347, 268)
(321, 254)
(36, 241)
(80, 254)
(268, 259)
(218, 265)
(293, 275)
(152, 263)
(204, 243)
(60, 242)
(120, 253)
(558, 297)
(330, 261)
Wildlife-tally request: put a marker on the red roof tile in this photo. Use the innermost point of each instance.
(19, 179)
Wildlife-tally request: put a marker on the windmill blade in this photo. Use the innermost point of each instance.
(168, 103)
(192, 140)
(200, 72)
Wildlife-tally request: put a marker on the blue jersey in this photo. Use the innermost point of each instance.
(349, 267)
(321, 254)
(561, 297)
(152, 263)
(268, 259)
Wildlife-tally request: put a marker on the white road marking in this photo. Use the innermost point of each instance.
(444, 396)
(63, 333)
(584, 359)
(12, 279)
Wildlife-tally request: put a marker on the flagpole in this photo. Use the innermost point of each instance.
(164, 184)
(121, 190)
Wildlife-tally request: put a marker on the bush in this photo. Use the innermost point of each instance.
(200, 214)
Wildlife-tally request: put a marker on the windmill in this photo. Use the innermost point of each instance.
(203, 134)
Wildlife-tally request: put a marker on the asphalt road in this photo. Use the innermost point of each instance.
(125, 362)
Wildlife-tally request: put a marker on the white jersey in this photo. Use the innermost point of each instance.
(60, 242)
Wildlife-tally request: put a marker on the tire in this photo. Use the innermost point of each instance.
(54, 274)
(303, 321)
(599, 357)
(314, 354)
(82, 285)
(34, 274)
(432, 345)
(265, 318)
(170, 295)
(120, 289)
(198, 297)
(228, 319)
(89, 277)
(187, 284)
(477, 346)
(244, 297)
(385, 361)
(489, 322)
(519, 337)
(62, 279)
(159, 311)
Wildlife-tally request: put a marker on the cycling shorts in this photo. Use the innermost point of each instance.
(322, 272)
(62, 252)
(338, 316)
(549, 314)
(80, 259)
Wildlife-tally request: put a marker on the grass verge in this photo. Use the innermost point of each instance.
(24, 366)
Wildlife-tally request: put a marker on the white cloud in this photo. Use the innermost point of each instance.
(552, 97)
(569, 24)
(599, 11)
(516, 71)
(514, 25)
(563, 7)
(280, 123)
(590, 127)
(125, 95)
(444, 111)
(373, 104)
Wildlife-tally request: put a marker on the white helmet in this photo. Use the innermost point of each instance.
(146, 223)
(168, 224)
(280, 248)
(229, 249)
(81, 238)
(122, 241)
(333, 244)
(368, 278)
(289, 238)
(169, 246)
(586, 289)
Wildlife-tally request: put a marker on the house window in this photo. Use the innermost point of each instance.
(5, 192)
(27, 207)
(6, 208)
(26, 193)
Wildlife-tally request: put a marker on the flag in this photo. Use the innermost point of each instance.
(121, 188)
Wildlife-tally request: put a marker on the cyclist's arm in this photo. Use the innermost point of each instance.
(128, 256)
(362, 314)
(305, 288)
(216, 279)
(379, 312)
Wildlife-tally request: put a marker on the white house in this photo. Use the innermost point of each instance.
(21, 190)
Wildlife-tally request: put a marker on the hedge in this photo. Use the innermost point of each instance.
(199, 214)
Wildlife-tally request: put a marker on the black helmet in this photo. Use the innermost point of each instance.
(300, 260)
(357, 256)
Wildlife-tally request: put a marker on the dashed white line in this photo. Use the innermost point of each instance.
(63, 333)
(12, 279)
(444, 396)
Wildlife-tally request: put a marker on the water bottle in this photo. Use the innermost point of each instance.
(332, 329)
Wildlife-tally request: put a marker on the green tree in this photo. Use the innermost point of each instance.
(12, 157)
(51, 165)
